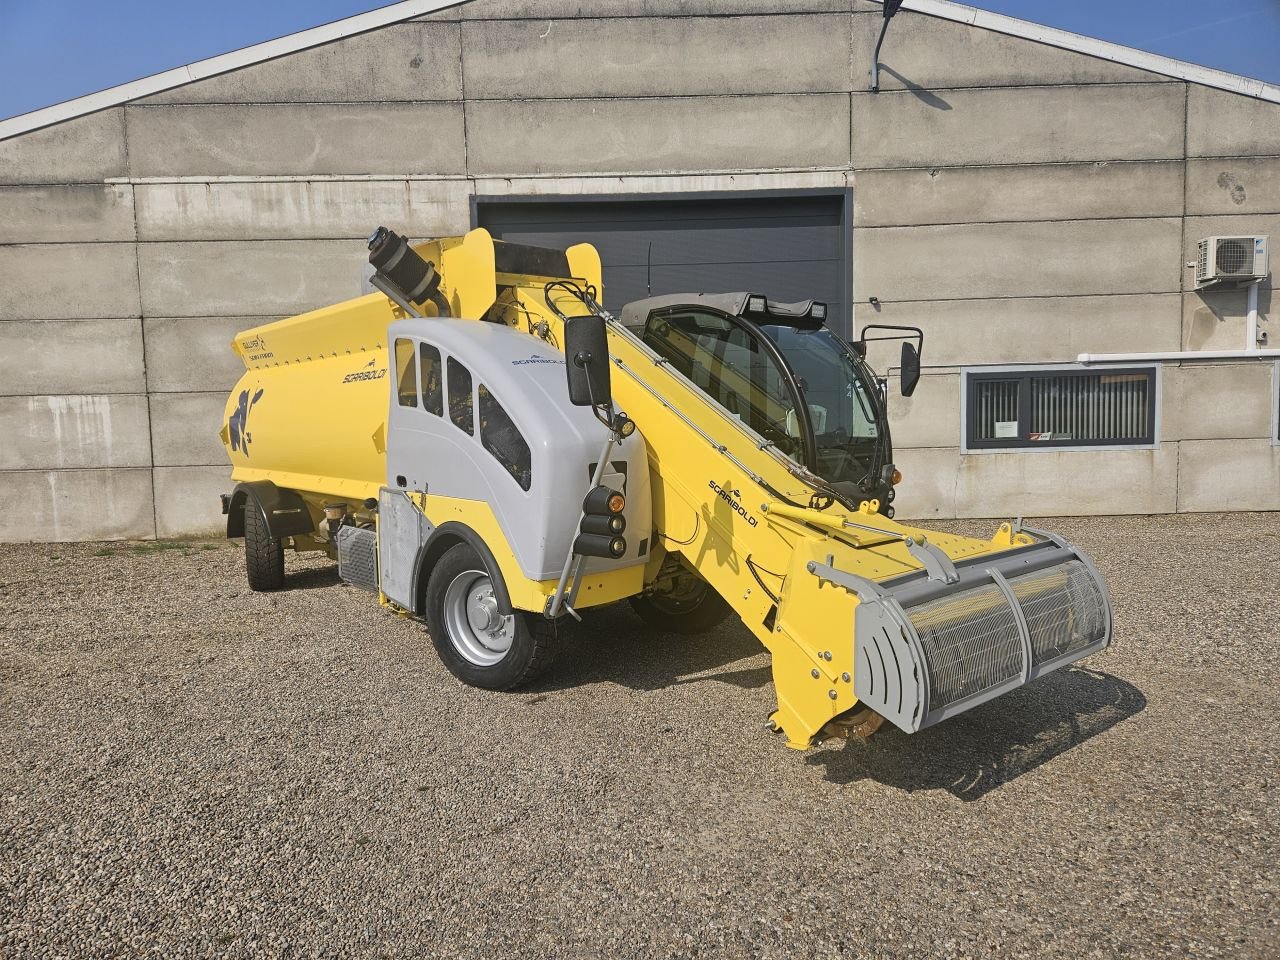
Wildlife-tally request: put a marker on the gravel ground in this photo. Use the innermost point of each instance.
(194, 770)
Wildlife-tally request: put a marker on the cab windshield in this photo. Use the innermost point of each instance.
(840, 400)
(762, 374)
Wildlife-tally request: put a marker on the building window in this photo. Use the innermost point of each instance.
(460, 401)
(432, 380)
(502, 438)
(406, 375)
(1056, 407)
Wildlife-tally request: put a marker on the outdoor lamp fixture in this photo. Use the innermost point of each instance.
(890, 8)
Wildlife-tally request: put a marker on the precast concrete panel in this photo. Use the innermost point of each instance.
(300, 210)
(295, 139)
(186, 501)
(253, 278)
(930, 53)
(1036, 329)
(1070, 191)
(930, 417)
(1233, 186)
(401, 62)
(66, 213)
(1019, 259)
(71, 357)
(88, 149)
(184, 429)
(646, 57)
(61, 281)
(73, 432)
(947, 483)
(1199, 228)
(1228, 475)
(1044, 482)
(59, 506)
(1215, 319)
(929, 481)
(1212, 401)
(1221, 124)
(194, 353)
(659, 135)
(920, 128)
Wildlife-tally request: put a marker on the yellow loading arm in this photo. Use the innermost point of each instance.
(753, 524)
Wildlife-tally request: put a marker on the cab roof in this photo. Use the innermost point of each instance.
(802, 313)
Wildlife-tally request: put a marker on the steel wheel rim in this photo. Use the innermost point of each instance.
(476, 627)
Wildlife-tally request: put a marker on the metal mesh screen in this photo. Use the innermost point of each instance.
(1064, 610)
(357, 557)
(970, 642)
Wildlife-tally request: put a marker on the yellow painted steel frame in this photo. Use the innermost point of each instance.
(723, 500)
(711, 479)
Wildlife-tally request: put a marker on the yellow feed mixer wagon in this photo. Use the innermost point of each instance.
(484, 447)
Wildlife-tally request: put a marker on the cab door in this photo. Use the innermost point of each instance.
(739, 367)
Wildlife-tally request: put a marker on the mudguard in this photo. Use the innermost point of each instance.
(285, 511)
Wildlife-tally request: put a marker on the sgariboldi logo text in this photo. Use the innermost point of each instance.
(732, 500)
(365, 375)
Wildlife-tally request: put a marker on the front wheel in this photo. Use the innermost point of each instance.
(692, 607)
(480, 644)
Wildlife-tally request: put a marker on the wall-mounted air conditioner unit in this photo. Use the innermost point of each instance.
(1231, 258)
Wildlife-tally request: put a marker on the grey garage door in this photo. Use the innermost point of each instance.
(788, 248)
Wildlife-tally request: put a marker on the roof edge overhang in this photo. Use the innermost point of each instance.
(1102, 49)
(408, 9)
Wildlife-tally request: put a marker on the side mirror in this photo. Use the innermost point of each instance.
(586, 354)
(910, 368)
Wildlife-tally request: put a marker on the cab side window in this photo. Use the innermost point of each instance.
(502, 438)
(461, 404)
(432, 379)
(406, 374)
(727, 361)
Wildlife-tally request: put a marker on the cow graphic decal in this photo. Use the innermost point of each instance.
(238, 425)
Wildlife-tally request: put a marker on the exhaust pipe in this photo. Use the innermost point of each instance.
(396, 264)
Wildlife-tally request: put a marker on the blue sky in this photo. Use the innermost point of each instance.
(54, 50)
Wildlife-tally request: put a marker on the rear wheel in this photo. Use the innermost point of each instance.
(481, 645)
(263, 553)
(692, 606)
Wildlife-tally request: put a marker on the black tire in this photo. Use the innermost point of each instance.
(502, 654)
(696, 610)
(263, 553)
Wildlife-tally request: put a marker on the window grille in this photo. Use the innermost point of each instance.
(1060, 408)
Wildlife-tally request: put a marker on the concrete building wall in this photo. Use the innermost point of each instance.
(1020, 202)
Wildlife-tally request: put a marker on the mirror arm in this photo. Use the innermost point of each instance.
(602, 412)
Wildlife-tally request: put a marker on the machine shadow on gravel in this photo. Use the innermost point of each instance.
(613, 645)
(994, 744)
(314, 578)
